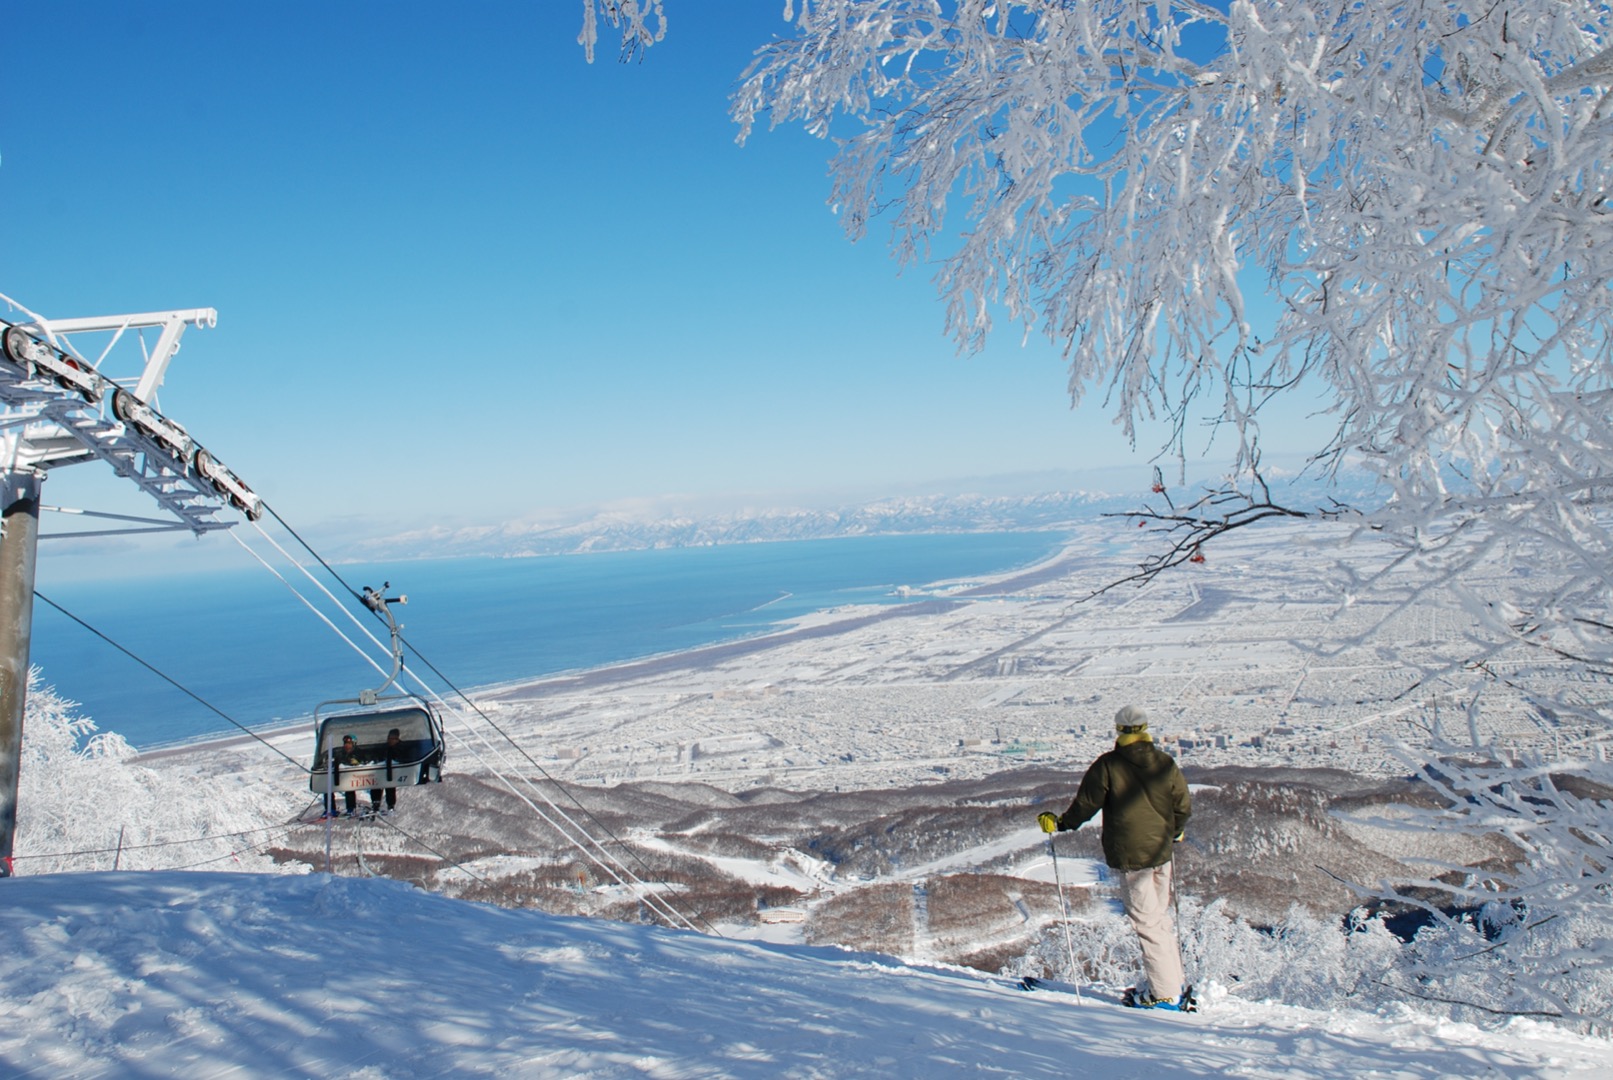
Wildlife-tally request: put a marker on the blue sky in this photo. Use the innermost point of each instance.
(463, 275)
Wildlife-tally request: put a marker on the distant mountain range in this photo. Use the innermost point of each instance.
(616, 530)
(659, 526)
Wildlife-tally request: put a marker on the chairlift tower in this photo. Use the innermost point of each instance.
(59, 406)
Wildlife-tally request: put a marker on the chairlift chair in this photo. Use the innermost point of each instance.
(416, 760)
(421, 750)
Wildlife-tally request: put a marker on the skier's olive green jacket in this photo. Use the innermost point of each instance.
(1144, 801)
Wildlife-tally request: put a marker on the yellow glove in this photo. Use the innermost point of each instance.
(1048, 822)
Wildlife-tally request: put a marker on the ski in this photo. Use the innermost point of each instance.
(1186, 1003)
(1031, 982)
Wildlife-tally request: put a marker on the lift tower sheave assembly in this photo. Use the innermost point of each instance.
(58, 406)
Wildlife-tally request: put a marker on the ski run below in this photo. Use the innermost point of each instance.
(191, 975)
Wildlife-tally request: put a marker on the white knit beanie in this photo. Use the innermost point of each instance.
(1131, 718)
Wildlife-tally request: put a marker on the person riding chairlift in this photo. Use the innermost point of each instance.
(345, 756)
(392, 753)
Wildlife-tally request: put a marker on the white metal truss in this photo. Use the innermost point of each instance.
(58, 407)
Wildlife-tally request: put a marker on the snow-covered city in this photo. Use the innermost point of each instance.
(1256, 658)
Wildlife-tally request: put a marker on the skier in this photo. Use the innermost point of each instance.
(1145, 807)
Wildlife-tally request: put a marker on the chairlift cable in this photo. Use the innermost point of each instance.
(599, 825)
(220, 858)
(304, 600)
(156, 844)
(172, 843)
(306, 546)
(648, 897)
(632, 880)
(609, 864)
(168, 679)
(415, 839)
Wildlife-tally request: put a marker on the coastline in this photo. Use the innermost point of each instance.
(969, 676)
(527, 690)
(819, 624)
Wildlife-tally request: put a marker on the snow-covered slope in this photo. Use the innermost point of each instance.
(207, 975)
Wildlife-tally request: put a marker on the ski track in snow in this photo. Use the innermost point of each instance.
(193, 975)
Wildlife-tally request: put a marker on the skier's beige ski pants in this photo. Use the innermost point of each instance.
(1147, 898)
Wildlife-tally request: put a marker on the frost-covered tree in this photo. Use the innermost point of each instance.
(87, 806)
(1526, 933)
(1301, 960)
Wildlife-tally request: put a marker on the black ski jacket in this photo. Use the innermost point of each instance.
(1144, 800)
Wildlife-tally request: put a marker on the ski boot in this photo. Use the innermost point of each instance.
(1131, 999)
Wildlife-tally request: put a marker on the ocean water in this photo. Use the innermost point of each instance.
(246, 645)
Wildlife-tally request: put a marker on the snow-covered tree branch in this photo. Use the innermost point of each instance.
(1422, 187)
(88, 806)
(1186, 530)
(642, 23)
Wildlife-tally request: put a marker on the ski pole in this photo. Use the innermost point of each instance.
(1064, 908)
(1176, 884)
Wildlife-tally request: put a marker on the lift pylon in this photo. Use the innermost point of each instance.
(20, 521)
(60, 407)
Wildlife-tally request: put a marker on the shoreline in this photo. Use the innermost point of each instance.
(700, 657)
(802, 628)
(531, 689)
